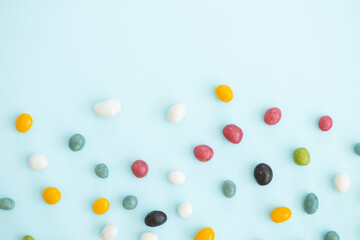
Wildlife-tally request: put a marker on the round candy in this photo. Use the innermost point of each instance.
(28, 237)
(155, 218)
(229, 188)
(233, 133)
(185, 210)
(272, 116)
(140, 168)
(51, 195)
(177, 177)
(357, 149)
(176, 113)
(7, 203)
(109, 232)
(149, 236)
(302, 156)
(224, 93)
(342, 182)
(325, 123)
(101, 206)
(332, 235)
(311, 203)
(280, 214)
(130, 202)
(205, 234)
(38, 162)
(76, 142)
(24, 122)
(101, 170)
(107, 109)
(203, 153)
(263, 174)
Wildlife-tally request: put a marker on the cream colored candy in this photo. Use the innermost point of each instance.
(110, 232)
(185, 210)
(177, 177)
(38, 162)
(176, 113)
(149, 236)
(107, 109)
(342, 182)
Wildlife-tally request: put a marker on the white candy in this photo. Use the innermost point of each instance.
(149, 236)
(342, 182)
(177, 177)
(107, 109)
(110, 232)
(38, 162)
(185, 210)
(176, 113)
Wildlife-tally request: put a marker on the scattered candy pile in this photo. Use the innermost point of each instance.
(263, 173)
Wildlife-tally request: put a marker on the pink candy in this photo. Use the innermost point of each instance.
(140, 168)
(203, 153)
(233, 133)
(325, 123)
(272, 116)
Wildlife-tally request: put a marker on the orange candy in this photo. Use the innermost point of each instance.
(24, 122)
(280, 214)
(224, 93)
(101, 206)
(205, 234)
(51, 195)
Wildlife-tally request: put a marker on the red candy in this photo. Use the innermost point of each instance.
(203, 153)
(140, 168)
(325, 123)
(272, 116)
(233, 133)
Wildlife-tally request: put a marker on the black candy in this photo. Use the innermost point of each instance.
(263, 174)
(155, 218)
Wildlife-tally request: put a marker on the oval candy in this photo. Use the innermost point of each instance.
(203, 153)
(7, 203)
(176, 113)
(272, 116)
(149, 236)
(357, 149)
(101, 206)
(280, 214)
(332, 235)
(140, 168)
(233, 133)
(301, 156)
(155, 218)
(101, 170)
(130, 202)
(229, 189)
(263, 174)
(23, 122)
(185, 210)
(342, 182)
(177, 178)
(205, 234)
(38, 162)
(224, 93)
(76, 142)
(325, 123)
(28, 237)
(311, 203)
(107, 109)
(109, 232)
(51, 195)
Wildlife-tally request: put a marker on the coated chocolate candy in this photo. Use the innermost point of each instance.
(155, 218)
(311, 203)
(263, 174)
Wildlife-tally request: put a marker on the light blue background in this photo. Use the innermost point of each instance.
(59, 58)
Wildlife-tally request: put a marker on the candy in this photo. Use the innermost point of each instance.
(325, 123)
(76, 142)
(332, 235)
(140, 168)
(357, 149)
(107, 109)
(280, 214)
(38, 162)
(51, 195)
(311, 203)
(155, 218)
(272, 116)
(205, 234)
(224, 93)
(176, 113)
(177, 177)
(149, 236)
(101, 170)
(101, 206)
(203, 153)
(185, 210)
(109, 232)
(7, 203)
(301, 156)
(24, 122)
(28, 237)
(263, 174)
(342, 182)
(229, 188)
(130, 202)
(233, 133)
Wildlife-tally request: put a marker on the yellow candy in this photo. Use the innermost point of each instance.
(101, 206)
(280, 214)
(23, 122)
(51, 195)
(205, 234)
(224, 93)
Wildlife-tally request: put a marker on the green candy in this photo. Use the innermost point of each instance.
(229, 188)
(357, 149)
(130, 202)
(332, 235)
(311, 203)
(28, 237)
(76, 142)
(301, 156)
(101, 170)
(7, 203)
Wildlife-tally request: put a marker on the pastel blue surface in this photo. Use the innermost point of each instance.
(59, 58)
